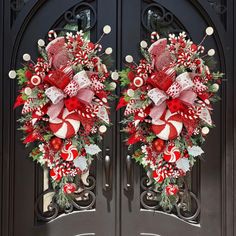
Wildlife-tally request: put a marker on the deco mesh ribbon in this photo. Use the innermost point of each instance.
(65, 108)
(167, 100)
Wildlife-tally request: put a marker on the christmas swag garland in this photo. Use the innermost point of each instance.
(65, 108)
(167, 99)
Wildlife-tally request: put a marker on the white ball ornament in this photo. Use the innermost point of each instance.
(41, 43)
(207, 101)
(115, 75)
(211, 52)
(102, 129)
(209, 31)
(205, 130)
(108, 51)
(106, 29)
(215, 87)
(12, 74)
(26, 57)
(130, 92)
(113, 85)
(104, 100)
(129, 59)
(28, 91)
(143, 44)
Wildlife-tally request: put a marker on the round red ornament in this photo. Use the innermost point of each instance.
(56, 143)
(28, 74)
(159, 144)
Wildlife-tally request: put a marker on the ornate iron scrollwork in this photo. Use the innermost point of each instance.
(83, 16)
(155, 16)
(219, 8)
(187, 206)
(84, 199)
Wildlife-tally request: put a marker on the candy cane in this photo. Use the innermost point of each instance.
(98, 47)
(154, 36)
(52, 35)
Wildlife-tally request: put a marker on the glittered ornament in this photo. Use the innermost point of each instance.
(56, 143)
(159, 144)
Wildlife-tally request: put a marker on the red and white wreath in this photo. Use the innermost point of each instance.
(168, 104)
(65, 96)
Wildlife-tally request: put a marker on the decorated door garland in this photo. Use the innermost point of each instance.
(65, 96)
(168, 100)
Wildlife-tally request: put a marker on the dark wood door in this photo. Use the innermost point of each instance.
(141, 214)
(24, 23)
(118, 210)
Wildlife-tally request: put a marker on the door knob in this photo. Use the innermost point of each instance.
(107, 170)
(129, 172)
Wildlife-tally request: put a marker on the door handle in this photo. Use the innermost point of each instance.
(128, 172)
(107, 170)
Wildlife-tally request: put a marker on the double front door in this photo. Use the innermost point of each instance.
(119, 203)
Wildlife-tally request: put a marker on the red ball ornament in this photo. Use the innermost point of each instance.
(171, 153)
(56, 143)
(171, 190)
(69, 188)
(28, 74)
(159, 144)
(56, 174)
(131, 75)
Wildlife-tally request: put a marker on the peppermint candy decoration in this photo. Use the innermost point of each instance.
(55, 174)
(66, 125)
(69, 188)
(171, 153)
(69, 152)
(168, 126)
(171, 190)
